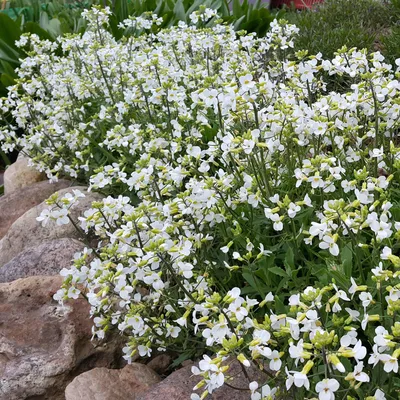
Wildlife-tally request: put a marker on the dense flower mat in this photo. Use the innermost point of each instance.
(249, 211)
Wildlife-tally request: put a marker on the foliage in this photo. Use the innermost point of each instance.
(338, 23)
(252, 17)
(252, 214)
(56, 17)
(391, 38)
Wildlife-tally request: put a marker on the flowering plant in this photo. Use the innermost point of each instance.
(248, 212)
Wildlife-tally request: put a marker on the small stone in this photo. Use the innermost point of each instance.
(112, 384)
(13, 205)
(20, 174)
(48, 258)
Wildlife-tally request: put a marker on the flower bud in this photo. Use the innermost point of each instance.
(333, 359)
(241, 357)
(306, 369)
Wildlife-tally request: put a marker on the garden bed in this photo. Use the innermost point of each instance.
(238, 199)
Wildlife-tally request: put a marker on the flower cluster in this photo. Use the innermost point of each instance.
(249, 213)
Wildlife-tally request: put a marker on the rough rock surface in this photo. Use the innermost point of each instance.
(43, 346)
(160, 363)
(13, 205)
(48, 258)
(26, 232)
(112, 384)
(19, 175)
(179, 385)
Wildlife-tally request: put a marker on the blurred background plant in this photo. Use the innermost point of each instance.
(251, 16)
(391, 39)
(336, 23)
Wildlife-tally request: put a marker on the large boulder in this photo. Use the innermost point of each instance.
(179, 385)
(20, 174)
(48, 258)
(16, 203)
(44, 346)
(112, 384)
(27, 232)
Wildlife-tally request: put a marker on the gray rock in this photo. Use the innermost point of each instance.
(49, 258)
(44, 346)
(20, 174)
(26, 232)
(112, 384)
(13, 205)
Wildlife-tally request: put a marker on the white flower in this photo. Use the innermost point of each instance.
(144, 351)
(73, 293)
(61, 216)
(316, 181)
(237, 309)
(294, 300)
(390, 364)
(329, 243)
(275, 363)
(386, 253)
(293, 209)
(246, 82)
(44, 217)
(350, 339)
(326, 389)
(264, 393)
(365, 298)
(358, 373)
(379, 395)
(301, 380)
(359, 351)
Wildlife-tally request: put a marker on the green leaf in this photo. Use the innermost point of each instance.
(179, 11)
(289, 261)
(121, 9)
(183, 357)
(346, 255)
(44, 21)
(237, 9)
(4, 157)
(8, 53)
(278, 271)
(9, 30)
(8, 69)
(279, 305)
(54, 27)
(237, 23)
(7, 80)
(340, 279)
(33, 27)
(255, 283)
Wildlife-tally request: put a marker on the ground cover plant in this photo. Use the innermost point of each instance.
(337, 23)
(249, 212)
